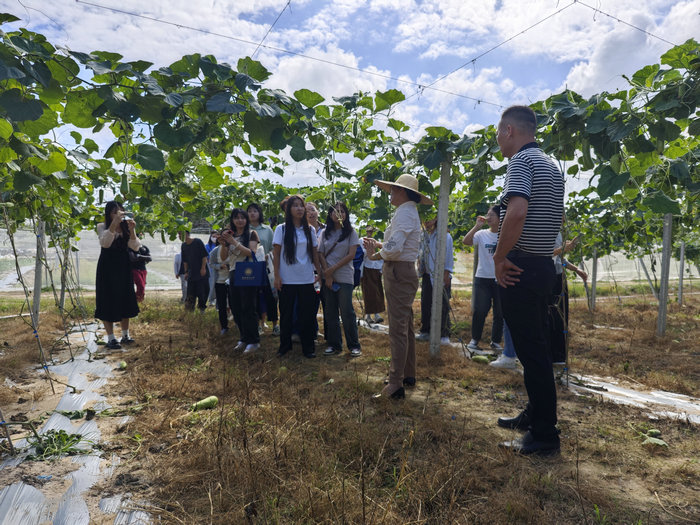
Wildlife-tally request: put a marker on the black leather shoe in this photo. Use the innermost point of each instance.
(400, 393)
(126, 340)
(529, 445)
(310, 356)
(113, 345)
(519, 422)
(407, 381)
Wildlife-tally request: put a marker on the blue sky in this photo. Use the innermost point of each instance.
(578, 47)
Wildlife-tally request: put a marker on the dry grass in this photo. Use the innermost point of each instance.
(300, 441)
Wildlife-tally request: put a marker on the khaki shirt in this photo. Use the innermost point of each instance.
(402, 237)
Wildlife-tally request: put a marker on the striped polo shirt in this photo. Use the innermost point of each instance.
(533, 175)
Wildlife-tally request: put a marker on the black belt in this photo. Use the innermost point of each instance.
(521, 253)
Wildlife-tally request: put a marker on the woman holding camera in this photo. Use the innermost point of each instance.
(237, 244)
(115, 298)
(336, 250)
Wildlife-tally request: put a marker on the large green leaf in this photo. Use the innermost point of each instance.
(610, 182)
(431, 159)
(661, 203)
(41, 126)
(243, 82)
(5, 129)
(23, 180)
(621, 128)
(265, 110)
(221, 103)
(664, 130)
(386, 99)
(79, 108)
(209, 177)
(55, 162)
(7, 72)
(7, 17)
(19, 108)
(253, 68)
(7, 154)
(260, 129)
(308, 98)
(694, 127)
(174, 99)
(597, 122)
(174, 138)
(150, 158)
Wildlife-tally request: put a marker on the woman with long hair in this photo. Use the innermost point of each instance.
(267, 304)
(115, 299)
(237, 244)
(294, 246)
(337, 248)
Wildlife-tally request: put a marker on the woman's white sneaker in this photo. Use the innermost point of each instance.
(251, 348)
(503, 361)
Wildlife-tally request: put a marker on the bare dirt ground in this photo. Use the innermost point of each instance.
(300, 441)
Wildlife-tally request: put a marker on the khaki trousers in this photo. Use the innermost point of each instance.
(401, 284)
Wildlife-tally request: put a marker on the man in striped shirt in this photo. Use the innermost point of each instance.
(531, 209)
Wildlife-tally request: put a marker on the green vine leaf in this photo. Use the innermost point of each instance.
(610, 182)
(661, 203)
(150, 158)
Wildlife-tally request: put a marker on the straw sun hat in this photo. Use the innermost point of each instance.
(407, 182)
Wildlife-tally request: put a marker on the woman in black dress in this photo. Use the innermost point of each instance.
(115, 298)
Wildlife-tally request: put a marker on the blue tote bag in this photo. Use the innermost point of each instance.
(249, 273)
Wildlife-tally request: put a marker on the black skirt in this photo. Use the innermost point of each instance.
(115, 298)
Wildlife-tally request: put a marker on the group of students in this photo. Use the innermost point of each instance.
(306, 263)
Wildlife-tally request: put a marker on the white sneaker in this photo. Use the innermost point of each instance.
(251, 348)
(423, 336)
(240, 345)
(355, 352)
(496, 346)
(444, 340)
(505, 362)
(473, 345)
(331, 351)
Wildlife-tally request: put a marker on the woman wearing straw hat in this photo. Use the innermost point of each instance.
(399, 252)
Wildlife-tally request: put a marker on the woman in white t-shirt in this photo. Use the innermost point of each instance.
(337, 249)
(294, 246)
(485, 290)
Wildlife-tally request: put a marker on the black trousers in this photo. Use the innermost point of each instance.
(197, 292)
(426, 306)
(305, 298)
(270, 301)
(221, 290)
(559, 319)
(525, 307)
(484, 292)
(243, 301)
